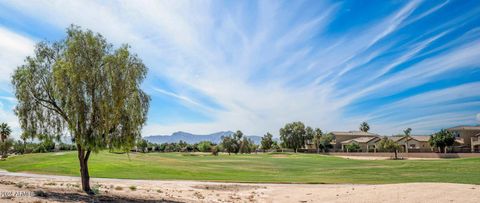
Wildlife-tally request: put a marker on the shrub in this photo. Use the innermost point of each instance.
(204, 146)
(353, 147)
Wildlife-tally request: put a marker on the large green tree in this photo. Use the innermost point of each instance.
(293, 135)
(83, 87)
(267, 141)
(442, 140)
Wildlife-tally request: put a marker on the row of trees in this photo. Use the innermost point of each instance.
(181, 146)
(238, 143)
(44, 144)
(295, 136)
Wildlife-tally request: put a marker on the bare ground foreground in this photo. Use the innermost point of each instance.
(22, 187)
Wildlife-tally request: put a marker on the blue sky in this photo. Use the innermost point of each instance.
(255, 65)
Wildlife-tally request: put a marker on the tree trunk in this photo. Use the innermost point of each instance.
(85, 177)
(318, 150)
(396, 154)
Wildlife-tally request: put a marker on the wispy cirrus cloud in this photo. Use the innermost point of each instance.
(256, 65)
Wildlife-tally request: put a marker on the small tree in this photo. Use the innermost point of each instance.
(5, 146)
(353, 147)
(276, 146)
(325, 141)
(228, 144)
(407, 136)
(232, 144)
(364, 127)
(142, 145)
(317, 139)
(216, 149)
(247, 146)
(267, 141)
(388, 145)
(442, 140)
(19, 147)
(5, 142)
(309, 133)
(204, 146)
(4, 131)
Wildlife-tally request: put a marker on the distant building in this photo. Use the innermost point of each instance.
(414, 143)
(350, 135)
(367, 144)
(467, 137)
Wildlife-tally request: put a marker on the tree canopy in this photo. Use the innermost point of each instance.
(5, 131)
(388, 145)
(322, 141)
(232, 143)
(83, 87)
(5, 141)
(293, 135)
(442, 139)
(267, 141)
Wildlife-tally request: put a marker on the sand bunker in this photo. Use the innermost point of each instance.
(22, 187)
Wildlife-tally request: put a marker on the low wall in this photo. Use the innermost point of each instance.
(411, 155)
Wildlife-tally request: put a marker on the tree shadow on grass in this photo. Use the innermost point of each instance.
(76, 197)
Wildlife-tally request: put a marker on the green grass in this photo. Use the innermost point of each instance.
(273, 168)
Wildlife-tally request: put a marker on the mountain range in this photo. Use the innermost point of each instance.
(192, 138)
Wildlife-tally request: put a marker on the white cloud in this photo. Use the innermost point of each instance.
(248, 67)
(14, 48)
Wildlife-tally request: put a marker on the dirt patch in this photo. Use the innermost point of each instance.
(228, 187)
(40, 188)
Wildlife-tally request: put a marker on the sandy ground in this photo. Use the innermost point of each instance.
(21, 187)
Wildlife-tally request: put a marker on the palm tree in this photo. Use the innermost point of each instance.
(4, 131)
(407, 136)
(317, 138)
(364, 127)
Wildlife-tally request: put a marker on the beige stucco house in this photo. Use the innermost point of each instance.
(467, 137)
(367, 144)
(345, 136)
(413, 143)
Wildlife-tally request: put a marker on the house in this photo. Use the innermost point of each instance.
(366, 144)
(414, 143)
(466, 137)
(345, 136)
